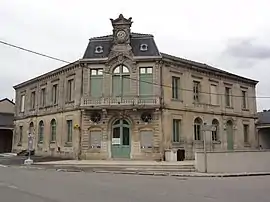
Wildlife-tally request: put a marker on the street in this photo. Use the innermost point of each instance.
(20, 184)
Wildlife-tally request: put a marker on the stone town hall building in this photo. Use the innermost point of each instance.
(126, 99)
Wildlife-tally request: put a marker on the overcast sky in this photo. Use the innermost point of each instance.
(233, 35)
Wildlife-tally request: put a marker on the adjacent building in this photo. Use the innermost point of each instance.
(263, 129)
(126, 99)
(7, 108)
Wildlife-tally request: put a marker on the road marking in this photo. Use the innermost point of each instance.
(2, 166)
(12, 187)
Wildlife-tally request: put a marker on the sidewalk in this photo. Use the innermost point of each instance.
(117, 163)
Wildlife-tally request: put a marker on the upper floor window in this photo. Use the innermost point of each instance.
(43, 97)
(143, 47)
(196, 91)
(175, 87)
(244, 99)
(22, 103)
(228, 94)
(70, 90)
(96, 82)
(33, 100)
(213, 94)
(146, 81)
(96, 72)
(54, 94)
(99, 49)
(121, 81)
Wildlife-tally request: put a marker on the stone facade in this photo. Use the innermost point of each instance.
(132, 124)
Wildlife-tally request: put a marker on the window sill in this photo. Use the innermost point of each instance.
(41, 142)
(198, 141)
(245, 109)
(69, 102)
(19, 144)
(176, 100)
(32, 109)
(246, 144)
(52, 142)
(216, 141)
(68, 144)
(228, 107)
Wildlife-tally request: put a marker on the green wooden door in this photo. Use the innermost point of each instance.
(121, 139)
(229, 129)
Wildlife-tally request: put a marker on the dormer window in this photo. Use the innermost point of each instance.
(99, 49)
(143, 47)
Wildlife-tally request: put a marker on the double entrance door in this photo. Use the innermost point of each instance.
(121, 139)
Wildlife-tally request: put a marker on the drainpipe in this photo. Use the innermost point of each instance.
(161, 114)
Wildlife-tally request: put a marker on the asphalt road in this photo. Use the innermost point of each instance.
(19, 184)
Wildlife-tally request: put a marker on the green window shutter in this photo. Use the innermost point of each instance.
(126, 84)
(146, 84)
(116, 86)
(96, 86)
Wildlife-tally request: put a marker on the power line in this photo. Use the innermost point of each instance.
(34, 52)
(157, 84)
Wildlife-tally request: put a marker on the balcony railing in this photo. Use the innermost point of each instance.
(121, 101)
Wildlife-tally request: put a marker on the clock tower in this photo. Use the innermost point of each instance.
(121, 33)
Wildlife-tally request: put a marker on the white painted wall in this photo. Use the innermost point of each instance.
(234, 162)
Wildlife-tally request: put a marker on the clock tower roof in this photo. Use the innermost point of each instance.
(121, 20)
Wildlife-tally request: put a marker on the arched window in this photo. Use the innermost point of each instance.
(121, 81)
(31, 128)
(215, 136)
(40, 131)
(53, 130)
(197, 128)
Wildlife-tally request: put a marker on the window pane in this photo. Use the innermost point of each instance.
(142, 70)
(116, 86)
(149, 70)
(125, 69)
(125, 139)
(116, 70)
(213, 92)
(100, 72)
(93, 72)
(126, 85)
(116, 132)
(146, 84)
(96, 86)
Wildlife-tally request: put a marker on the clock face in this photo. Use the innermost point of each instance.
(121, 35)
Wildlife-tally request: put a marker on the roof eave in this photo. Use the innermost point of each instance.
(223, 73)
(20, 85)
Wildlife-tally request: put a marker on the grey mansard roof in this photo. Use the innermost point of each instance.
(136, 40)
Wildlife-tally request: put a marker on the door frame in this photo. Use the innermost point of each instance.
(121, 125)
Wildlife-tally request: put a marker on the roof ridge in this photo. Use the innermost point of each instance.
(133, 34)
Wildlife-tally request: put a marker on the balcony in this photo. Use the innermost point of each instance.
(121, 102)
